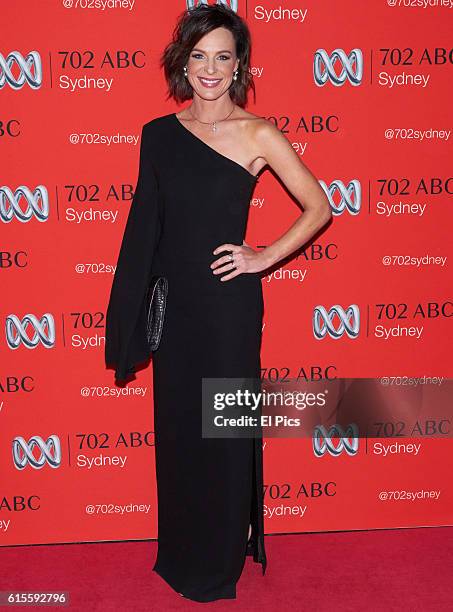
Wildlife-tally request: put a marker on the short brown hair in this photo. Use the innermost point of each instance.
(190, 27)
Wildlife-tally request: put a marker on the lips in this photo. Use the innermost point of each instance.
(209, 82)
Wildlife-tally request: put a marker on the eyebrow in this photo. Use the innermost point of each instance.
(222, 51)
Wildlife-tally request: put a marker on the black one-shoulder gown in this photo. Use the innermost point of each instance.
(190, 199)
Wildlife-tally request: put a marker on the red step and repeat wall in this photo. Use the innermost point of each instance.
(362, 92)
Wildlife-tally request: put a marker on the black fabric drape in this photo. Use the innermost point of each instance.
(125, 324)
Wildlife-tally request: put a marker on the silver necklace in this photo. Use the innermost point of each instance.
(212, 123)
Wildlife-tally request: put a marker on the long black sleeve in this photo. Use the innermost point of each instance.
(125, 325)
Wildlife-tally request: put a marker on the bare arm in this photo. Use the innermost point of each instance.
(276, 150)
(301, 183)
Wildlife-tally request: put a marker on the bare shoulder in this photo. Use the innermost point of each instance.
(250, 122)
(260, 130)
(262, 134)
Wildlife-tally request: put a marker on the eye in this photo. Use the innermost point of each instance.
(198, 55)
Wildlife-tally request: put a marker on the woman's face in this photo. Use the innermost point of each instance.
(211, 64)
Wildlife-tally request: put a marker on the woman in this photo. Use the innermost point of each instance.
(198, 169)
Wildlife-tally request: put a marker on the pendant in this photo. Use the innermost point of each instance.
(214, 127)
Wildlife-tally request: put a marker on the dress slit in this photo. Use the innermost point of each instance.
(255, 545)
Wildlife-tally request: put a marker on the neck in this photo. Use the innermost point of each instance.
(211, 110)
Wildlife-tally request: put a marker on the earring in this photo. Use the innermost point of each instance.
(235, 75)
(185, 71)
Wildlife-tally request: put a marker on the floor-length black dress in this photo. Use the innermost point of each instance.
(189, 200)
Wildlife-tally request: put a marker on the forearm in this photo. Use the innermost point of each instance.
(296, 236)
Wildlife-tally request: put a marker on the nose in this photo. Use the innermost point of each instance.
(211, 65)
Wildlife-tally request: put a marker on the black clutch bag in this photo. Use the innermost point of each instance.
(156, 301)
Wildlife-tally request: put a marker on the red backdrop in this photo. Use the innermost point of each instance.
(362, 93)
